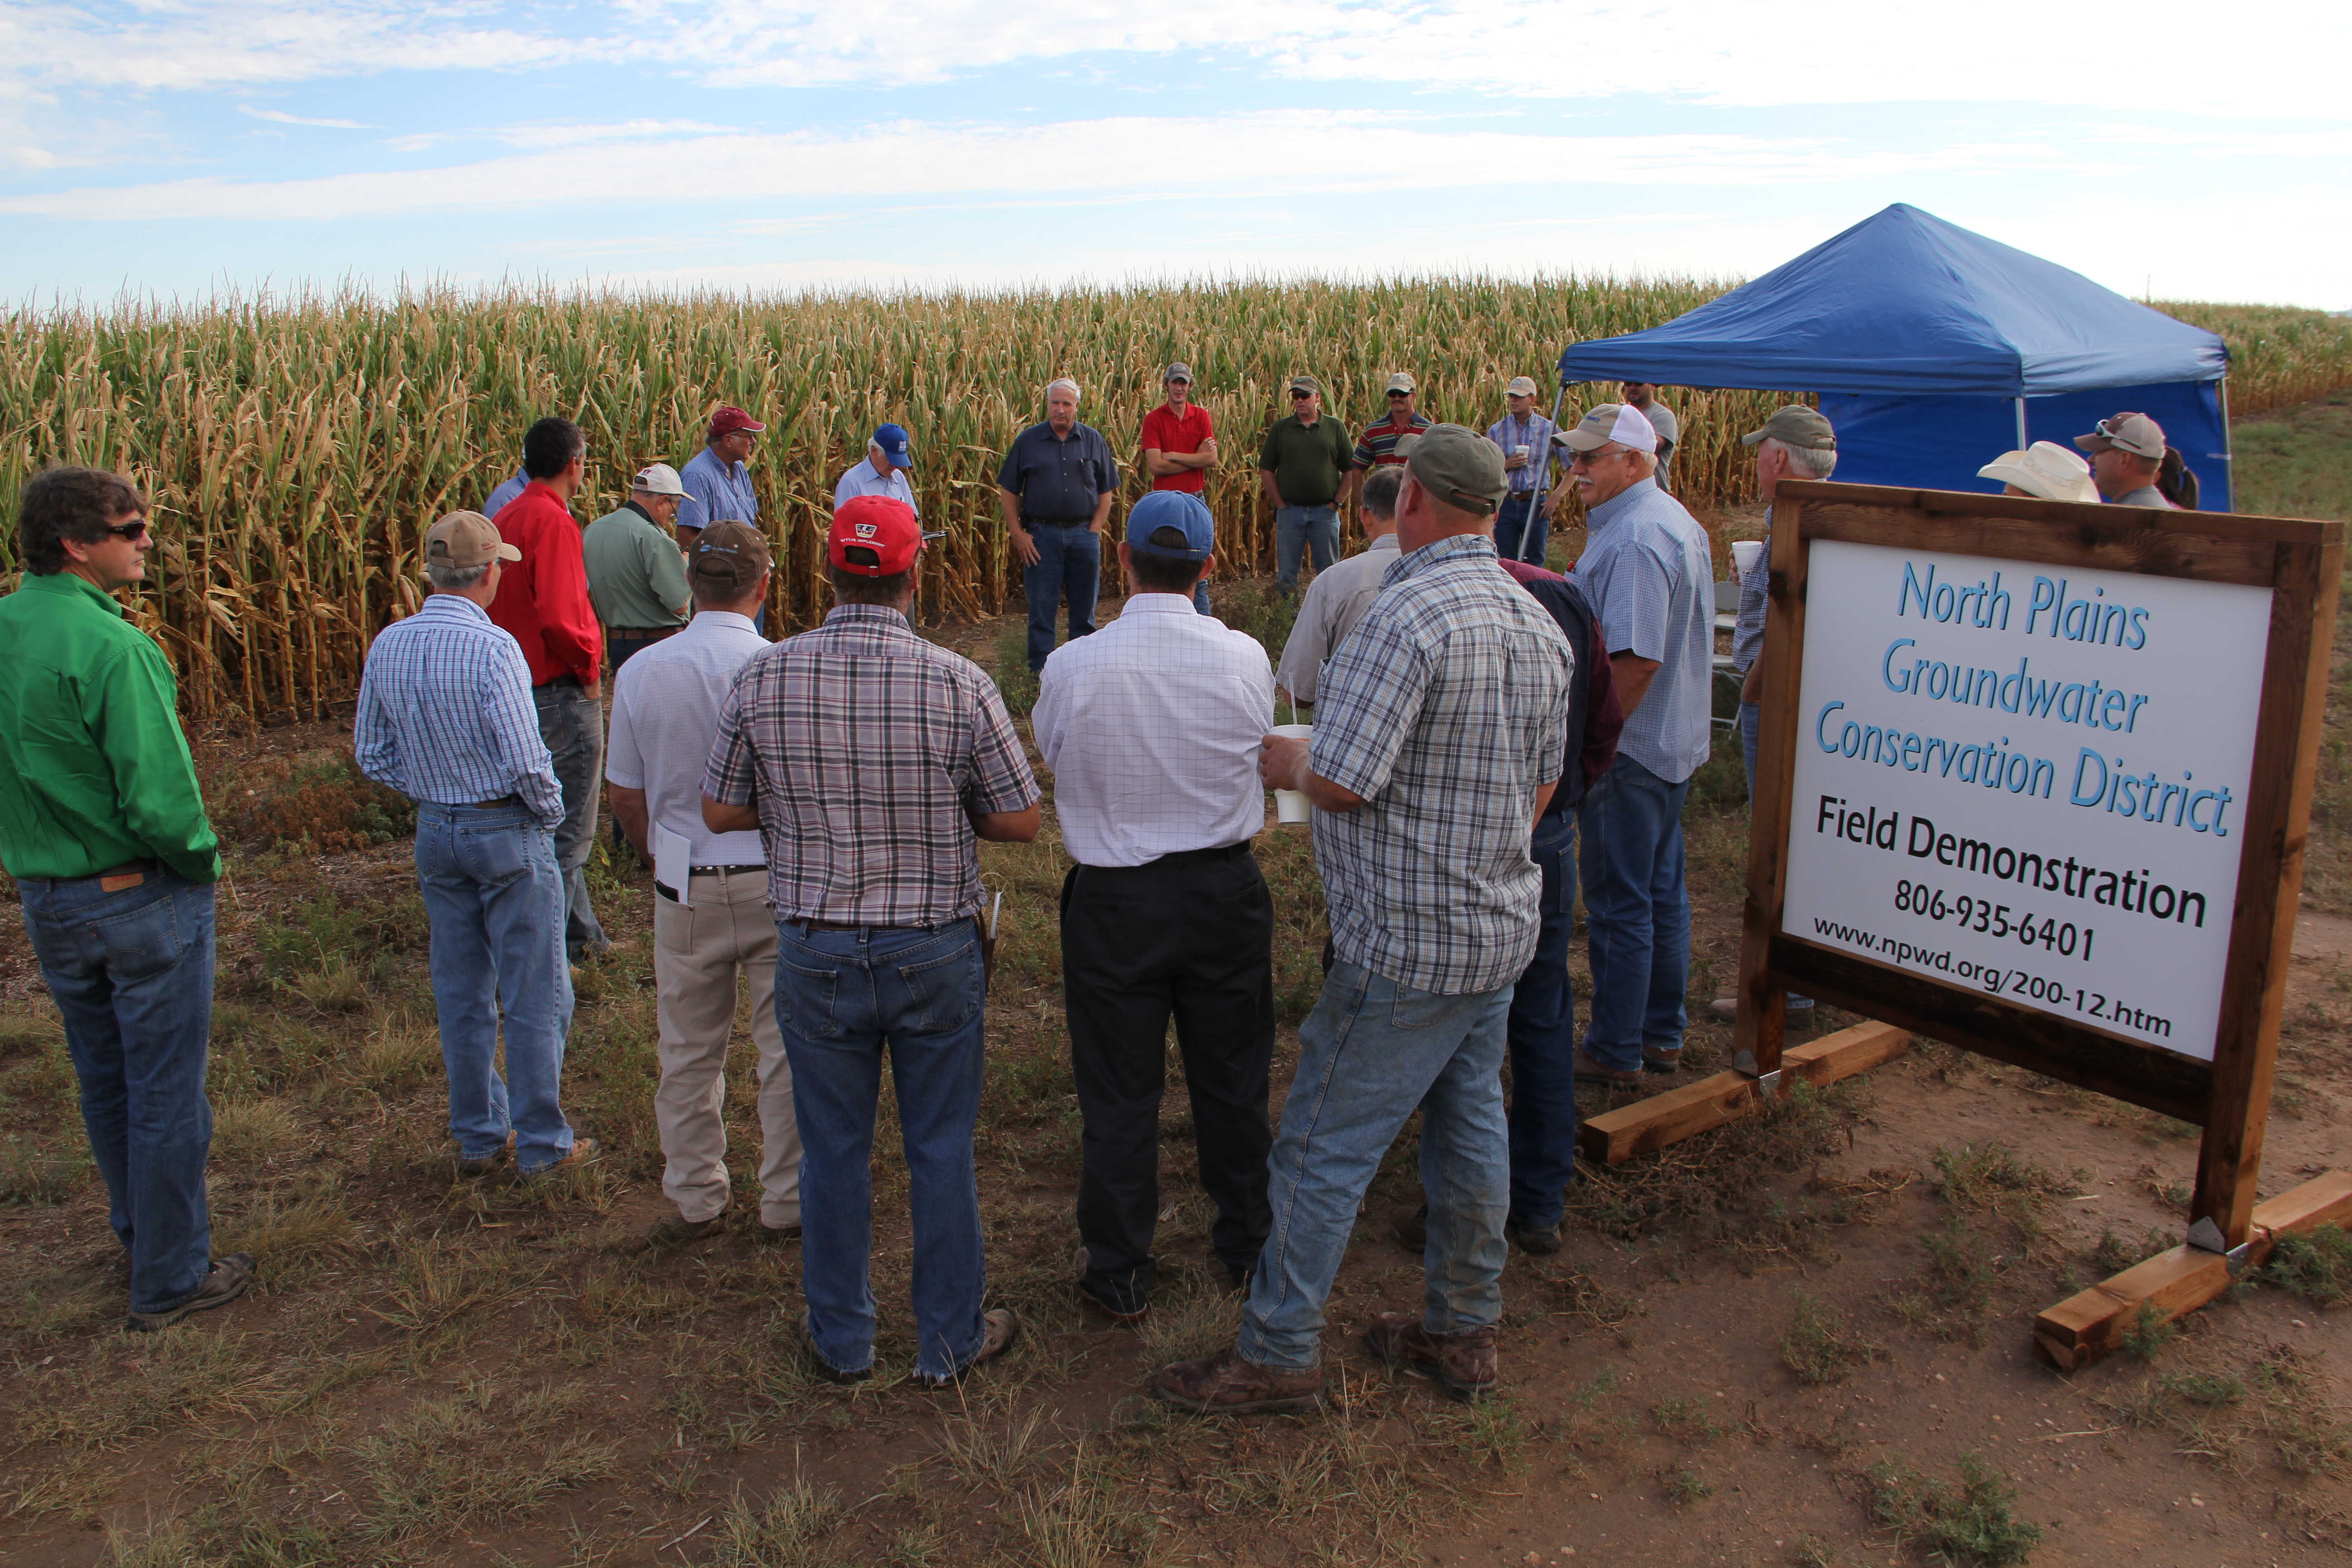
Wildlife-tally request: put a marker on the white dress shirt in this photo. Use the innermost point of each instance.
(862, 480)
(1152, 727)
(664, 716)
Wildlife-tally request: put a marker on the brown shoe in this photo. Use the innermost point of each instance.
(676, 1230)
(1656, 1060)
(583, 1151)
(999, 1329)
(482, 1165)
(1462, 1364)
(1587, 1070)
(1225, 1385)
(775, 1235)
(224, 1281)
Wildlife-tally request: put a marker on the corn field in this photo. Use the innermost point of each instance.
(297, 450)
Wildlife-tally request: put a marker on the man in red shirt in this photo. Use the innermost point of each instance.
(1180, 447)
(543, 604)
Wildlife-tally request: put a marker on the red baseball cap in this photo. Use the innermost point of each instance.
(884, 526)
(726, 421)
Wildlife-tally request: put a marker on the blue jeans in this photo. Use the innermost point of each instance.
(571, 722)
(1636, 912)
(1542, 1030)
(1296, 529)
(1368, 1053)
(132, 973)
(841, 998)
(495, 899)
(1069, 562)
(1511, 522)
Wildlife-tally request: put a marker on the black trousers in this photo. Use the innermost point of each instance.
(1190, 935)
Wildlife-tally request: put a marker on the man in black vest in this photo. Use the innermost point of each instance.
(1542, 1025)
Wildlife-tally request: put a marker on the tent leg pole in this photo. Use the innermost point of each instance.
(2021, 425)
(2229, 443)
(1543, 474)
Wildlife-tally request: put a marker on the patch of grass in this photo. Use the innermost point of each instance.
(1956, 1296)
(330, 931)
(784, 1531)
(291, 1238)
(248, 1132)
(192, 1372)
(1084, 1521)
(35, 1173)
(2316, 1265)
(1972, 1525)
(1718, 1184)
(1686, 1487)
(396, 1055)
(486, 1452)
(444, 1287)
(337, 988)
(1821, 1348)
(2208, 1389)
(44, 1079)
(1685, 1421)
(2290, 1405)
(1994, 1178)
(2149, 1335)
(1009, 664)
(58, 1301)
(2112, 1254)
(1490, 1431)
(993, 1455)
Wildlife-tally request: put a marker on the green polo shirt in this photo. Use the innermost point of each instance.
(1306, 461)
(94, 771)
(635, 573)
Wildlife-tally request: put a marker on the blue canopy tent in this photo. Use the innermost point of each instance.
(1935, 349)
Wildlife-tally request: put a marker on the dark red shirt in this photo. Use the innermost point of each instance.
(1604, 717)
(1165, 430)
(543, 597)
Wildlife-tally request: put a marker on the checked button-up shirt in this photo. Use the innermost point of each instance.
(1446, 711)
(445, 715)
(864, 747)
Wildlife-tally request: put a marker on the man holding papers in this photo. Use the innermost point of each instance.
(710, 912)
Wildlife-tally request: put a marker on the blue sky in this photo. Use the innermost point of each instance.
(183, 148)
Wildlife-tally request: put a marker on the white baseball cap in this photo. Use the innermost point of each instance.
(658, 480)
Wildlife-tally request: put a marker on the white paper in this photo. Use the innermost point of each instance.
(673, 863)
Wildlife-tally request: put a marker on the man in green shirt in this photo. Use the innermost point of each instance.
(103, 826)
(1301, 466)
(637, 573)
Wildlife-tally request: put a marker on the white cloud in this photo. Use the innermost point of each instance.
(280, 117)
(553, 134)
(1057, 161)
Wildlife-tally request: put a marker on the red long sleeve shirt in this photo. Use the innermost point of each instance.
(543, 597)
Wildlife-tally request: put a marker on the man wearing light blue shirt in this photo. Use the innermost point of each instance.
(1525, 436)
(719, 485)
(516, 484)
(888, 460)
(1647, 571)
(445, 718)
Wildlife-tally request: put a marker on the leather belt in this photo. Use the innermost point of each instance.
(727, 870)
(642, 634)
(500, 803)
(1056, 521)
(849, 925)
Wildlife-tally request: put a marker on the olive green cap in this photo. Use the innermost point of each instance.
(1794, 425)
(1460, 467)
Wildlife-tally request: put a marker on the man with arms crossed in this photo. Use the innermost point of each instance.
(1302, 466)
(1152, 727)
(445, 718)
(1525, 436)
(869, 760)
(1648, 573)
(1180, 447)
(665, 717)
(635, 574)
(103, 826)
(1436, 746)
(1056, 489)
(1338, 597)
(1382, 445)
(546, 607)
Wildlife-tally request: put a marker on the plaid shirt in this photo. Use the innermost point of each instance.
(445, 715)
(1446, 711)
(1533, 431)
(864, 747)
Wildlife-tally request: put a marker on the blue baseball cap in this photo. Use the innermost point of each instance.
(1172, 509)
(892, 439)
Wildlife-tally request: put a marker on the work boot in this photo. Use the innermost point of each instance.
(999, 1329)
(1541, 1240)
(1461, 1364)
(1588, 1070)
(224, 1281)
(1225, 1385)
(676, 1230)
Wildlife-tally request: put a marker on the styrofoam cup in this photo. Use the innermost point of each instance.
(1744, 554)
(1290, 804)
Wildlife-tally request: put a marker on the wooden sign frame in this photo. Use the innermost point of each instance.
(2302, 563)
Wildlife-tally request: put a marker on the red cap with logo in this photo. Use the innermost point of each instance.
(726, 421)
(877, 524)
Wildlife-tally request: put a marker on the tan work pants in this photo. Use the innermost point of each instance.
(696, 953)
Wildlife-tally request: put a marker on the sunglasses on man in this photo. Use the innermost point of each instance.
(134, 530)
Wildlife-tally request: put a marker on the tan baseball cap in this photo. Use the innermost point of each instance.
(1401, 382)
(1461, 467)
(1522, 386)
(464, 540)
(1619, 422)
(732, 554)
(1304, 384)
(2134, 433)
(1794, 425)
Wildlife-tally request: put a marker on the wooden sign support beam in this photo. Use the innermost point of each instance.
(1616, 1136)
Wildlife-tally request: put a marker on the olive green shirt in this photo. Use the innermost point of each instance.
(635, 573)
(1308, 462)
(94, 771)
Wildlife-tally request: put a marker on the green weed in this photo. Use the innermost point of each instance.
(1972, 1525)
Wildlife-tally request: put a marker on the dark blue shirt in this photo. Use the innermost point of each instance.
(1057, 479)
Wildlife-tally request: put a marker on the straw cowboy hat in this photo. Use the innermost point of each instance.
(2044, 470)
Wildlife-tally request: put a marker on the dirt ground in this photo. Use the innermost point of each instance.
(1790, 1341)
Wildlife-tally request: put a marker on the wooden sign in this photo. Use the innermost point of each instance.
(2033, 778)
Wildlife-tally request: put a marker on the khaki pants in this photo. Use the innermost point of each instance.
(696, 953)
